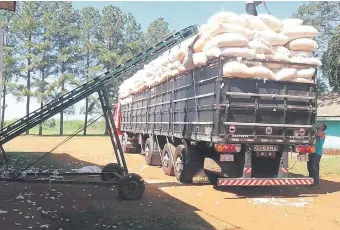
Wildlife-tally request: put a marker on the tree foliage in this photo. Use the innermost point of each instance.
(331, 61)
(324, 16)
(53, 48)
(157, 31)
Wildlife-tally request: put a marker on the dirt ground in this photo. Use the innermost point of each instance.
(166, 204)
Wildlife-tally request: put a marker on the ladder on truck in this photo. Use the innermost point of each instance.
(98, 85)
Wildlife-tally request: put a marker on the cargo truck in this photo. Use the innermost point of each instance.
(202, 127)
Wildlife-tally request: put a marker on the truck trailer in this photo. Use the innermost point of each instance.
(202, 127)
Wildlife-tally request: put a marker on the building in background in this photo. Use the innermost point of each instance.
(329, 113)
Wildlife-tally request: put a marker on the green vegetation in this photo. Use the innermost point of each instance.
(329, 166)
(51, 127)
(325, 17)
(51, 48)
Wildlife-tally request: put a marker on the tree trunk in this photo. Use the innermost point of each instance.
(3, 105)
(61, 131)
(28, 96)
(86, 115)
(42, 89)
(40, 125)
(87, 99)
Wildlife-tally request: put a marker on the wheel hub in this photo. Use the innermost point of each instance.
(166, 160)
(179, 165)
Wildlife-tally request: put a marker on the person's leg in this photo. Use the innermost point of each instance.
(251, 9)
(316, 168)
(310, 165)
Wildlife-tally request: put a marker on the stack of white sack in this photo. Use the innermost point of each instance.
(244, 37)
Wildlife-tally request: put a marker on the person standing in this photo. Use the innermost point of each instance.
(251, 7)
(313, 164)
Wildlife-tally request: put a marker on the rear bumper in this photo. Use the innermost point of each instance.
(265, 181)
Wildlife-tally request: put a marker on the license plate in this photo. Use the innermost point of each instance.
(266, 148)
(227, 157)
(302, 157)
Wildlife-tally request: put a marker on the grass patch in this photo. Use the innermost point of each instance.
(329, 166)
(52, 127)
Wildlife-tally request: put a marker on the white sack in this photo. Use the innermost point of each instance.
(221, 28)
(89, 169)
(307, 73)
(303, 80)
(261, 72)
(277, 58)
(281, 51)
(309, 61)
(260, 46)
(303, 44)
(188, 62)
(285, 74)
(236, 69)
(304, 54)
(226, 40)
(295, 32)
(272, 22)
(254, 22)
(184, 50)
(230, 51)
(227, 17)
(292, 22)
(275, 39)
(199, 59)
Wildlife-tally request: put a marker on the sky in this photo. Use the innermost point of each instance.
(178, 14)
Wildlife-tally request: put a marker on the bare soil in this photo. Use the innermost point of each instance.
(166, 204)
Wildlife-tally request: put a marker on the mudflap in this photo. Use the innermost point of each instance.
(265, 181)
(193, 171)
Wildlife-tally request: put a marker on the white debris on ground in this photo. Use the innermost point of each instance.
(90, 169)
(20, 197)
(280, 202)
(3, 211)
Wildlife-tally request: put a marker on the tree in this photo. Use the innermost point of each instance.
(112, 47)
(134, 37)
(25, 30)
(89, 29)
(331, 61)
(44, 62)
(64, 31)
(157, 31)
(10, 67)
(324, 16)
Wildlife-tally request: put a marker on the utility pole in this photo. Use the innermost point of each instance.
(9, 6)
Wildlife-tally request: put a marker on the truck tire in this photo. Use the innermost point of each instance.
(130, 146)
(180, 165)
(167, 159)
(151, 155)
(188, 163)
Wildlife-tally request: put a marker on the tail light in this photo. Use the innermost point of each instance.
(305, 149)
(227, 148)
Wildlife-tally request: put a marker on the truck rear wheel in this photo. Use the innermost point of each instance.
(180, 165)
(167, 159)
(188, 165)
(151, 155)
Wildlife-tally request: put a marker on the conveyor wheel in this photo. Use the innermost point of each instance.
(131, 187)
(112, 167)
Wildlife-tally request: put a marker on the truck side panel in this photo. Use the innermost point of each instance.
(201, 106)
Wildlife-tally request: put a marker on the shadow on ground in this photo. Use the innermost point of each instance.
(326, 187)
(88, 206)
